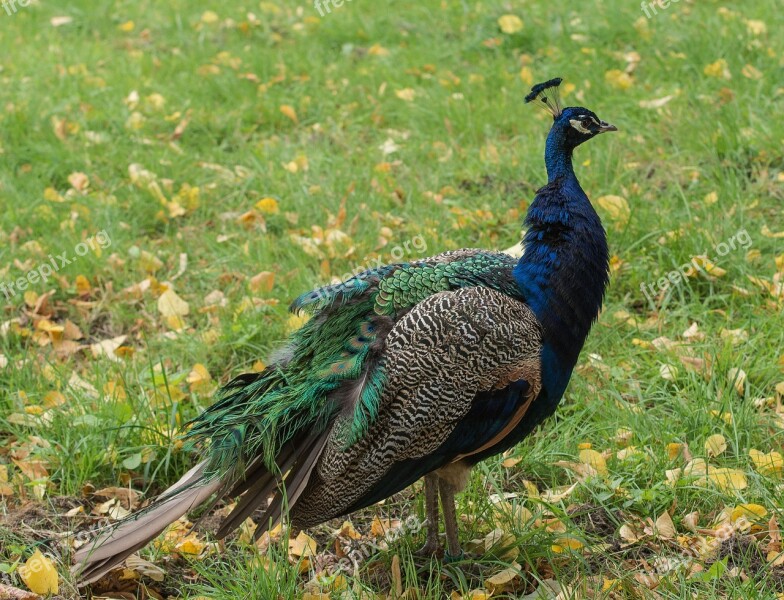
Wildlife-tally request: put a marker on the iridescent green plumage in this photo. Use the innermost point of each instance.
(335, 367)
(396, 287)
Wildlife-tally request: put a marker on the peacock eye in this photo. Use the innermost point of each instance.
(586, 123)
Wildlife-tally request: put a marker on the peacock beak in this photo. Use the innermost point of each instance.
(604, 126)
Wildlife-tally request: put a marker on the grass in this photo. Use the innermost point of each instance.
(371, 127)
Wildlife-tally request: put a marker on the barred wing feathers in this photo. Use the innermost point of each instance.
(455, 354)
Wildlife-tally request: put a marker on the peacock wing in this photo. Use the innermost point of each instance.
(473, 353)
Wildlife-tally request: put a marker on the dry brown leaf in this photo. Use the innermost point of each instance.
(126, 496)
(60, 21)
(665, 528)
(557, 494)
(691, 520)
(108, 348)
(628, 534)
(11, 593)
(262, 282)
(737, 377)
(144, 567)
(397, 577)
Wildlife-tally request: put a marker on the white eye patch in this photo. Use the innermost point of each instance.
(578, 125)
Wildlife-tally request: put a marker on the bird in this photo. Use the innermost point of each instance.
(412, 370)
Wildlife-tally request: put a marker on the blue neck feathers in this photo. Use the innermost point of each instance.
(558, 155)
(564, 270)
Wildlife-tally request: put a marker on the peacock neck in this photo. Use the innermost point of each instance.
(563, 272)
(558, 155)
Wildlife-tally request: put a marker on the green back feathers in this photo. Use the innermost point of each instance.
(401, 286)
(409, 285)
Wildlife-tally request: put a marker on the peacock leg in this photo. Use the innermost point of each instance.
(432, 546)
(447, 491)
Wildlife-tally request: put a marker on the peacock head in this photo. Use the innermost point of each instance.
(572, 125)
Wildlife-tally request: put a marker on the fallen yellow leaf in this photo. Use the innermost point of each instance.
(377, 50)
(618, 79)
(348, 530)
(751, 72)
(294, 322)
(715, 445)
(616, 207)
(209, 17)
(190, 545)
(718, 69)
(751, 512)
(594, 459)
(708, 267)
(510, 24)
(737, 377)
(39, 574)
(303, 545)
(503, 581)
(728, 479)
(171, 305)
(268, 206)
(674, 450)
(83, 287)
(406, 94)
(566, 543)
(199, 378)
(771, 463)
(288, 111)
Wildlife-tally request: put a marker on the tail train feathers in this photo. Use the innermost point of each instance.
(296, 461)
(294, 484)
(299, 458)
(254, 489)
(109, 549)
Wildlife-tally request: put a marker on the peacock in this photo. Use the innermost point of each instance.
(407, 371)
